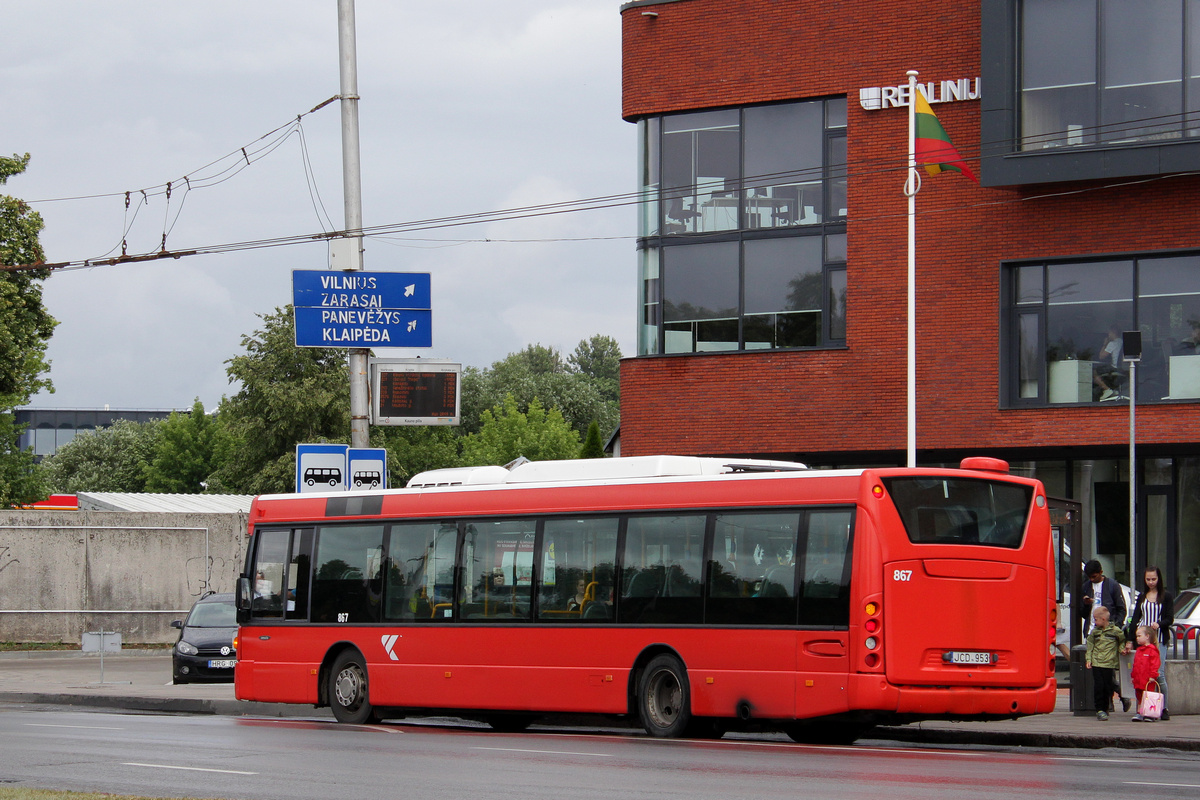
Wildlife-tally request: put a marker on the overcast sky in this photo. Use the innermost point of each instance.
(467, 106)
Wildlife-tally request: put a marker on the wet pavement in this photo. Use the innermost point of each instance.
(140, 680)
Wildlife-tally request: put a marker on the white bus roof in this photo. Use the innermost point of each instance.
(596, 469)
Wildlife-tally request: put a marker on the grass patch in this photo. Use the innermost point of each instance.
(9, 647)
(18, 793)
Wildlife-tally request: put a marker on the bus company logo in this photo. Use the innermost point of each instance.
(389, 641)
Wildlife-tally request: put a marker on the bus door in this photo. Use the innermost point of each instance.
(822, 657)
(965, 583)
(779, 581)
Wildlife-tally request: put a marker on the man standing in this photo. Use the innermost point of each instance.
(1101, 591)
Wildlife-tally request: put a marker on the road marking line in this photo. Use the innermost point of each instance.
(80, 727)
(190, 769)
(1172, 785)
(1093, 758)
(544, 752)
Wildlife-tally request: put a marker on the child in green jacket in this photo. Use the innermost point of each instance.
(1104, 645)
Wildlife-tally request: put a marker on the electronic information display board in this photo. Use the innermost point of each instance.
(416, 391)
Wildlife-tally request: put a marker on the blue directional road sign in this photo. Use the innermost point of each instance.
(321, 467)
(367, 467)
(362, 309)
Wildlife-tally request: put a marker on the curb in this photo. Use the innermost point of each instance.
(169, 705)
(1020, 739)
(16, 654)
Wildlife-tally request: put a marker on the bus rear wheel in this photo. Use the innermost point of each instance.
(348, 690)
(664, 697)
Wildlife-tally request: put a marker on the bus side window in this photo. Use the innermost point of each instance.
(497, 570)
(825, 596)
(411, 592)
(752, 573)
(296, 599)
(578, 566)
(663, 569)
(267, 582)
(347, 585)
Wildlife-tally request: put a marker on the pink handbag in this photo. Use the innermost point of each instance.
(1151, 706)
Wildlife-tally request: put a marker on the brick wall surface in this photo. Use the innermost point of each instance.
(712, 53)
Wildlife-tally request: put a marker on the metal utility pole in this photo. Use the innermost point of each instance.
(352, 191)
(1131, 352)
(912, 185)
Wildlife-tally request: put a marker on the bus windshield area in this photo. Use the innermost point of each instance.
(940, 510)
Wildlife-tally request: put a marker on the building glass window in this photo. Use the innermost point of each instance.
(700, 166)
(700, 301)
(1066, 320)
(743, 228)
(785, 284)
(1107, 71)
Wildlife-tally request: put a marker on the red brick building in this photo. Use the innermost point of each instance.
(773, 252)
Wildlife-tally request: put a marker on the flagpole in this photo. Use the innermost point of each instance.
(911, 186)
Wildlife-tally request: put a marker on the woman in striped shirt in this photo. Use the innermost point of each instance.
(1155, 607)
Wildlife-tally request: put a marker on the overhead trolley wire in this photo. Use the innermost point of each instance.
(649, 194)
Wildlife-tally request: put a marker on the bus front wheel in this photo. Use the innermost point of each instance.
(348, 689)
(664, 698)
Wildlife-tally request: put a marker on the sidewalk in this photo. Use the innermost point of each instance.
(133, 680)
(140, 680)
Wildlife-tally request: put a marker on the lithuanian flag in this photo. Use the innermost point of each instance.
(933, 147)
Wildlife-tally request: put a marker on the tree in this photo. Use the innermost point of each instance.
(593, 446)
(184, 452)
(538, 371)
(599, 358)
(289, 395)
(413, 449)
(25, 328)
(20, 479)
(112, 459)
(508, 433)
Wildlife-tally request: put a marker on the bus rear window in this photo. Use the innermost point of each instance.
(938, 510)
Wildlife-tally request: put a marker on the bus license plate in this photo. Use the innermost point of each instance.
(968, 657)
(222, 663)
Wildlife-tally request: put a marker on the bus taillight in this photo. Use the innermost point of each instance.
(871, 625)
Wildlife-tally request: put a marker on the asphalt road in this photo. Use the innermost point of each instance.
(237, 757)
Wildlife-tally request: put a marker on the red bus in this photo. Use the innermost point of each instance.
(693, 595)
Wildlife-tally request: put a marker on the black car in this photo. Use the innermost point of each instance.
(205, 651)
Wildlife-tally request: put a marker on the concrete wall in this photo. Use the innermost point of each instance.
(1183, 687)
(63, 573)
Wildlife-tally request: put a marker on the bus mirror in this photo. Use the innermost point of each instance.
(242, 599)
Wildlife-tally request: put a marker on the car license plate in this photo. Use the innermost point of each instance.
(222, 663)
(967, 657)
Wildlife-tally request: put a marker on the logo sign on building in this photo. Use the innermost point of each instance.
(362, 309)
(875, 98)
(367, 467)
(338, 467)
(415, 391)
